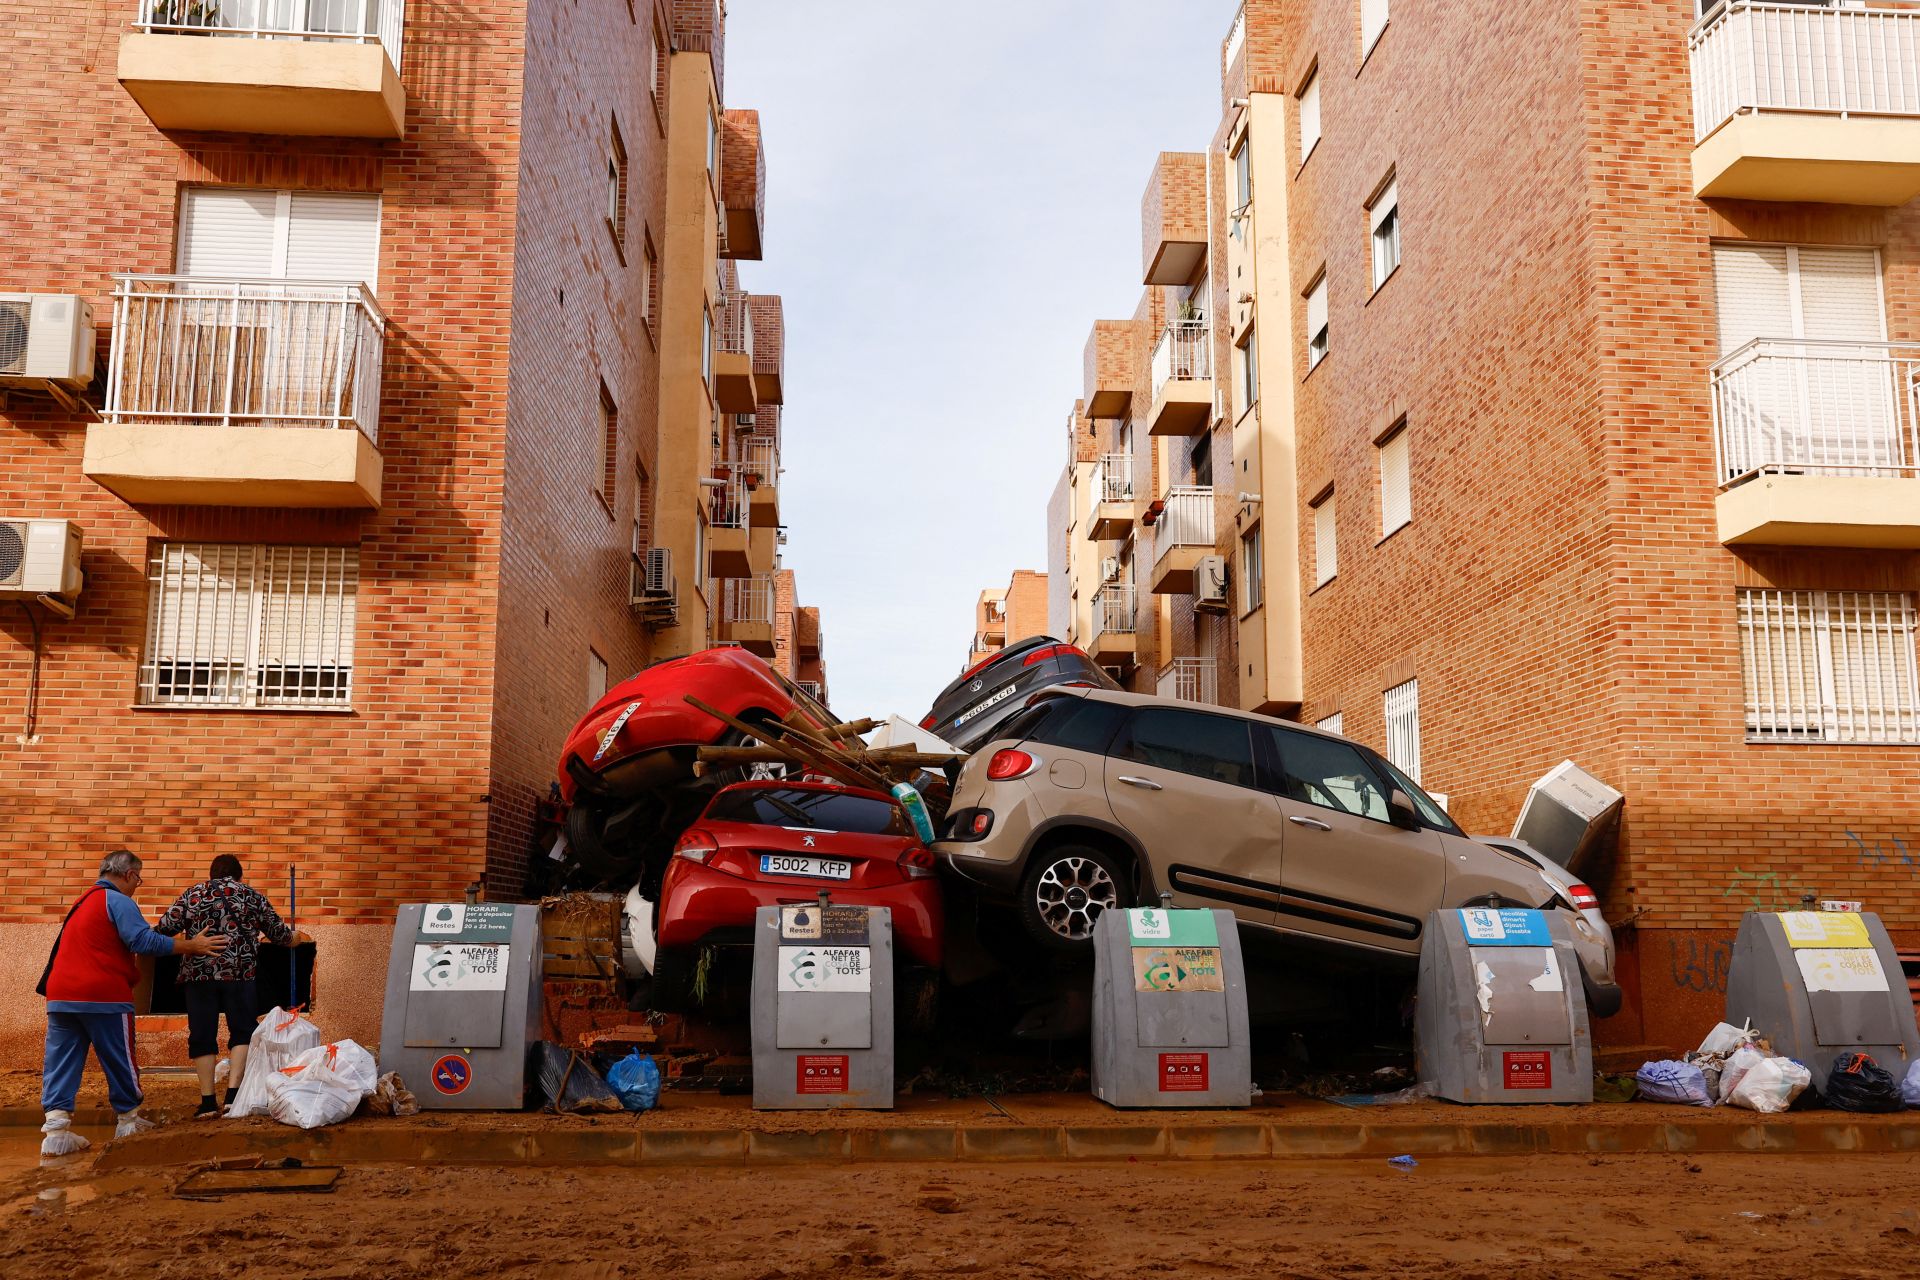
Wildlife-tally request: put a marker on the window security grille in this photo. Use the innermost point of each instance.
(1829, 666)
(1403, 727)
(1335, 723)
(234, 625)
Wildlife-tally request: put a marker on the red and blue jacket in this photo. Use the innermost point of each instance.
(94, 969)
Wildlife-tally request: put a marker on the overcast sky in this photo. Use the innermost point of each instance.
(953, 197)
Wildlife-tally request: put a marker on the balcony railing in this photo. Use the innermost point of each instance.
(1186, 519)
(1113, 610)
(813, 689)
(1193, 679)
(757, 461)
(1185, 352)
(1792, 57)
(729, 502)
(733, 330)
(1834, 408)
(250, 353)
(343, 21)
(1237, 36)
(1113, 478)
(747, 599)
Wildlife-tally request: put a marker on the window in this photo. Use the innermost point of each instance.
(1308, 103)
(1076, 724)
(1242, 175)
(1251, 581)
(642, 511)
(700, 555)
(1190, 742)
(819, 810)
(297, 235)
(1333, 775)
(617, 186)
(1428, 807)
(607, 444)
(1829, 666)
(1248, 356)
(713, 147)
(657, 72)
(1317, 321)
(1326, 545)
(1796, 291)
(1335, 723)
(1403, 727)
(706, 346)
(596, 677)
(1200, 460)
(238, 625)
(1383, 218)
(650, 280)
(1396, 480)
(1373, 21)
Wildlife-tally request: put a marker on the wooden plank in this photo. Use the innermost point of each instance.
(224, 1182)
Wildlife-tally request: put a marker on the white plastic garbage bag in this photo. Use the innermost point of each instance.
(277, 1041)
(322, 1086)
(1771, 1085)
(1744, 1059)
(1724, 1039)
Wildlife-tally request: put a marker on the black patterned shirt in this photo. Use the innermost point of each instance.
(231, 908)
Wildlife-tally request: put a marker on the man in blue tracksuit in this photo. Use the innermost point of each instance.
(89, 986)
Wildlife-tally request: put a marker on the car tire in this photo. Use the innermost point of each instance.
(1064, 892)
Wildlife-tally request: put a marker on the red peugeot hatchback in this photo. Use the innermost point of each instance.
(763, 844)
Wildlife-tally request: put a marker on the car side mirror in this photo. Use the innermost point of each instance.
(1400, 807)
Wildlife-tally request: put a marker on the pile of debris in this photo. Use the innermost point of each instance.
(1734, 1066)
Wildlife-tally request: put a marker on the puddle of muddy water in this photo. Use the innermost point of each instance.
(20, 1148)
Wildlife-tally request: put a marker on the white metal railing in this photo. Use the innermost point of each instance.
(344, 21)
(1749, 56)
(1837, 408)
(1113, 478)
(758, 461)
(1185, 351)
(1237, 36)
(231, 352)
(1113, 610)
(1191, 679)
(748, 599)
(813, 689)
(1186, 519)
(732, 328)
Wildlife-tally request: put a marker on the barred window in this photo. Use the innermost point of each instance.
(1829, 666)
(238, 625)
(1403, 727)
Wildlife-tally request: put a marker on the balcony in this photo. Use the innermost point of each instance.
(1173, 218)
(1182, 380)
(769, 346)
(758, 464)
(806, 631)
(1112, 498)
(1793, 102)
(746, 614)
(1817, 444)
(1182, 533)
(743, 184)
(326, 67)
(733, 382)
(1108, 364)
(1190, 679)
(241, 393)
(813, 689)
(1114, 619)
(729, 524)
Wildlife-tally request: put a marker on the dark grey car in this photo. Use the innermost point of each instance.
(986, 695)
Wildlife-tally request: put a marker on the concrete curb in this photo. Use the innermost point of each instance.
(408, 1142)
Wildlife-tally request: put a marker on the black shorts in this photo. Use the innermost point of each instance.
(206, 1001)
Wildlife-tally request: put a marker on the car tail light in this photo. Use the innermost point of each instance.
(929, 722)
(917, 863)
(1008, 763)
(1583, 898)
(980, 823)
(1051, 651)
(696, 846)
(987, 661)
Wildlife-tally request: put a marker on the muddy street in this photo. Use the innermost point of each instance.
(1642, 1216)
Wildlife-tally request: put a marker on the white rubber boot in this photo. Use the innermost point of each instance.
(131, 1122)
(61, 1140)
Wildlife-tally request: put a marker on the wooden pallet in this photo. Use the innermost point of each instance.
(580, 936)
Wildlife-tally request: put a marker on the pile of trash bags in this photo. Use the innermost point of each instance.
(299, 1080)
(1737, 1067)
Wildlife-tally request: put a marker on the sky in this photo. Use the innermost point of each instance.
(953, 198)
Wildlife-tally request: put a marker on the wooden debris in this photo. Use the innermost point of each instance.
(225, 1182)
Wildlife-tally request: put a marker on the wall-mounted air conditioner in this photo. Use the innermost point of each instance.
(1210, 584)
(39, 558)
(46, 337)
(653, 593)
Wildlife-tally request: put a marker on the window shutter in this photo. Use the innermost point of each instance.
(227, 232)
(1309, 116)
(1396, 484)
(334, 237)
(1753, 295)
(203, 611)
(1373, 21)
(1317, 308)
(307, 605)
(1840, 294)
(1326, 561)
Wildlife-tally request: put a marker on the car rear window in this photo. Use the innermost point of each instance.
(799, 807)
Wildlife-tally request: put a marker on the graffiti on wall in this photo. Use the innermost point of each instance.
(1880, 855)
(1764, 891)
(1699, 965)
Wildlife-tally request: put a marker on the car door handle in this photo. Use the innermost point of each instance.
(1147, 783)
(1315, 823)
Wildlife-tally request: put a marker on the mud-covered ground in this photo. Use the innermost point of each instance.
(1628, 1216)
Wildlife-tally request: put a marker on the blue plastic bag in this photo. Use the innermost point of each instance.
(635, 1080)
(1673, 1081)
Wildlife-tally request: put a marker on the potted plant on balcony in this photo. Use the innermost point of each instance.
(1186, 311)
(186, 17)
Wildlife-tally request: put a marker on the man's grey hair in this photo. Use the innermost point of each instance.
(119, 863)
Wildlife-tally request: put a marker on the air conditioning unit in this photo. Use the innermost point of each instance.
(46, 337)
(1109, 568)
(1210, 584)
(39, 558)
(653, 593)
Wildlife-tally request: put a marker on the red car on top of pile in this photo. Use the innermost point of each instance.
(626, 774)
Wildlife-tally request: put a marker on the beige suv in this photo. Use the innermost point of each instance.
(1091, 799)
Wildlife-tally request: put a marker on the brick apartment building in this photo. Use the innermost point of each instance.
(427, 403)
(1539, 378)
(1007, 615)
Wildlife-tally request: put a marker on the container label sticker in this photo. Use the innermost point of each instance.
(443, 918)
(1147, 925)
(1183, 1073)
(1505, 927)
(1549, 977)
(452, 1074)
(1177, 969)
(835, 926)
(1825, 929)
(820, 1073)
(458, 966)
(1527, 1068)
(1841, 969)
(825, 969)
(466, 922)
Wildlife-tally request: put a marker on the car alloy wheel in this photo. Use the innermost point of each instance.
(1070, 894)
